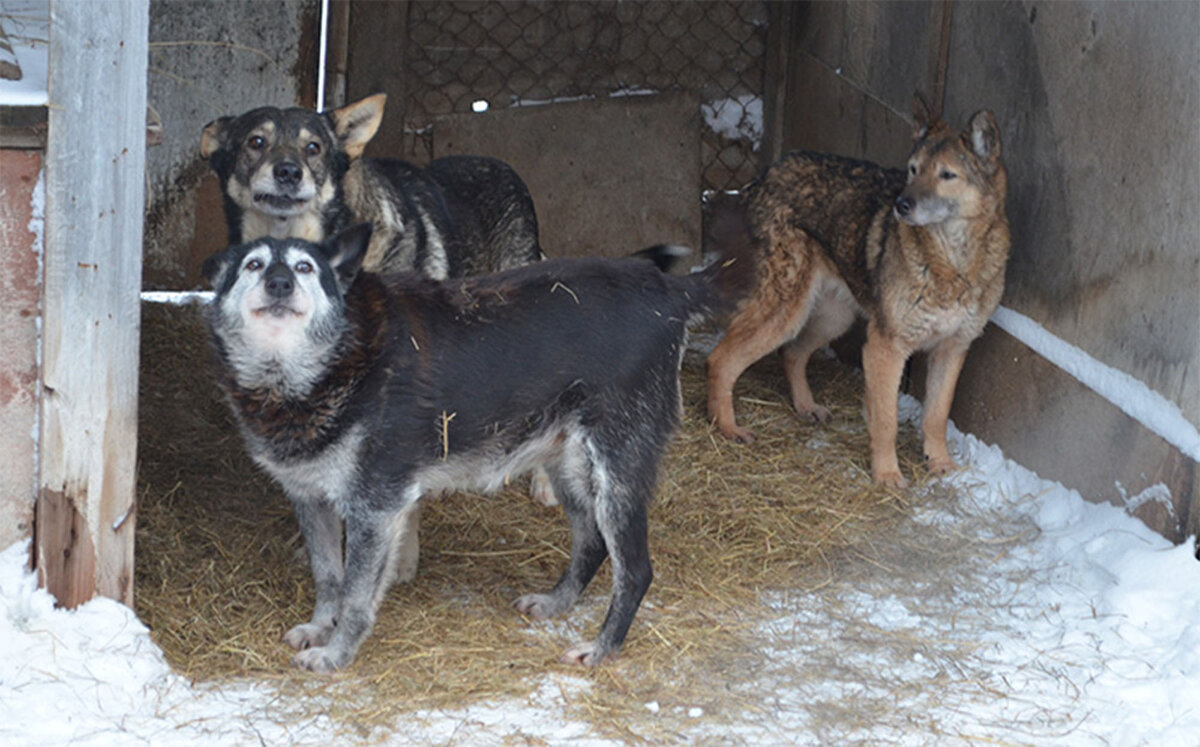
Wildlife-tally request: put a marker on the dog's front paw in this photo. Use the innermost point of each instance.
(586, 654)
(308, 635)
(319, 659)
(890, 479)
(541, 606)
(816, 414)
(737, 434)
(943, 466)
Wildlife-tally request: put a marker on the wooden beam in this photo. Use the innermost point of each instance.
(377, 42)
(95, 177)
(338, 55)
(781, 38)
(942, 13)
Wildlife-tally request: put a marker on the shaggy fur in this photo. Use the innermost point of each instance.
(920, 255)
(296, 173)
(363, 393)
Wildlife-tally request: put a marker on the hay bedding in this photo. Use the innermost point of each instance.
(220, 572)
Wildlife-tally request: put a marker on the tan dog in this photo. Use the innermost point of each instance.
(920, 255)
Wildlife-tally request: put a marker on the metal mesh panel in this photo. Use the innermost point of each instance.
(520, 53)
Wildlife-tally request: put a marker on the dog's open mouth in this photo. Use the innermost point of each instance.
(279, 204)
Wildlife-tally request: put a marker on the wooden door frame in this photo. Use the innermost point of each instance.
(95, 196)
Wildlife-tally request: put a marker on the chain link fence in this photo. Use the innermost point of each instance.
(464, 56)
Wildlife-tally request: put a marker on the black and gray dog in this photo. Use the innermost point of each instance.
(362, 393)
(294, 173)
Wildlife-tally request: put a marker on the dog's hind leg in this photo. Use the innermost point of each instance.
(765, 322)
(832, 314)
(322, 532)
(621, 518)
(572, 484)
(541, 488)
(945, 363)
(406, 550)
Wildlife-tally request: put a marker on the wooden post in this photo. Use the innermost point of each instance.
(942, 13)
(780, 38)
(95, 191)
(377, 44)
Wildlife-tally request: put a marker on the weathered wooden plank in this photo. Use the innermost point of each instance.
(95, 167)
(781, 19)
(377, 38)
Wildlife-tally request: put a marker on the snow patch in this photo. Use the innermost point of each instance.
(37, 227)
(1157, 493)
(27, 24)
(737, 118)
(178, 298)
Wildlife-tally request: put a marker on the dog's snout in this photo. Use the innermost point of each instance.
(904, 205)
(287, 173)
(278, 282)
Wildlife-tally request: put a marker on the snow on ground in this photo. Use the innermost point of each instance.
(1079, 626)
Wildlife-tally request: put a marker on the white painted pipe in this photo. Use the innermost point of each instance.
(323, 46)
(1134, 398)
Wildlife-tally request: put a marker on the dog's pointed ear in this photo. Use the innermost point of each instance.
(346, 250)
(215, 267)
(355, 124)
(983, 135)
(213, 136)
(924, 117)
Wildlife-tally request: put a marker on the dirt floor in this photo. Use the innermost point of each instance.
(221, 574)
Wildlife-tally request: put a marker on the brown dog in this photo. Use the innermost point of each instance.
(921, 256)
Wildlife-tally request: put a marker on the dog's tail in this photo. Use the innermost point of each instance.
(731, 255)
(664, 256)
(714, 289)
(729, 271)
(719, 286)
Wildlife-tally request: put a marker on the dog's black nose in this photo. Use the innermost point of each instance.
(278, 283)
(287, 173)
(903, 206)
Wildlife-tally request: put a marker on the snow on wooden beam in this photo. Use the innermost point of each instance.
(95, 176)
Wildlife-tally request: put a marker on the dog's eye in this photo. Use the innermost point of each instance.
(254, 265)
(313, 149)
(948, 175)
(912, 169)
(256, 143)
(304, 267)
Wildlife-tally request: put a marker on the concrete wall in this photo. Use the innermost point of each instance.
(1098, 105)
(210, 58)
(589, 205)
(19, 289)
